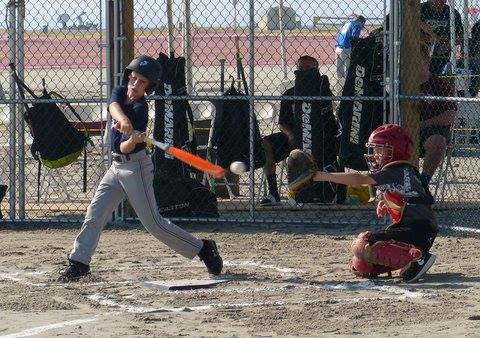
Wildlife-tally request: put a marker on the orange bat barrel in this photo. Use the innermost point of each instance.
(196, 162)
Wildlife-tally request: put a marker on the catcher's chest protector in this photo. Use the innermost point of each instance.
(315, 132)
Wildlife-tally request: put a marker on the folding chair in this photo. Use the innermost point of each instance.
(464, 142)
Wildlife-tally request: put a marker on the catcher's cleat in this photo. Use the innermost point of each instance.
(270, 200)
(74, 271)
(210, 256)
(417, 269)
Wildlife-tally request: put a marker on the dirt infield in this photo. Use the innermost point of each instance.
(280, 283)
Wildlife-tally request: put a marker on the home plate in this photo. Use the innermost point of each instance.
(183, 284)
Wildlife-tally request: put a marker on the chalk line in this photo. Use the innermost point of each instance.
(370, 285)
(110, 302)
(41, 329)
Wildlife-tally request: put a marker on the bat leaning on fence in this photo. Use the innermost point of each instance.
(189, 158)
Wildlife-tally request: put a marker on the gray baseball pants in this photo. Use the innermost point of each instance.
(133, 178)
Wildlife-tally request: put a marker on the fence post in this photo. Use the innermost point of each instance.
(128, 32)
(409, 74)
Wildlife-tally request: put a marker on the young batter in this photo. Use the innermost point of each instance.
(131, 176)
(405, 244)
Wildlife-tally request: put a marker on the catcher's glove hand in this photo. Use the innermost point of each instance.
(300, 170)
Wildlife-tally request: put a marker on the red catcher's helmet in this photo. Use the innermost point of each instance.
(387, 143)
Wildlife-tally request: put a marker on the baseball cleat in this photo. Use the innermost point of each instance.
(74, 271)
(270, 200)
(417, 269)
(210, 256)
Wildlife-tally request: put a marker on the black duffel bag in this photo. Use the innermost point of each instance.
(185, 197)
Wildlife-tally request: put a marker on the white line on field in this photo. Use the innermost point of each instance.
(110, 302)
(463, 229)
(13, 277)
(41, 329)
(235, 290)
(370, 285)
(264, 266)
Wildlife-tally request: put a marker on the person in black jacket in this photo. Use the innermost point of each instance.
(278, 145)
(3, 190)
(436, 14)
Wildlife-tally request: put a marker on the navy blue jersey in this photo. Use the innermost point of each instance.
(136, 111)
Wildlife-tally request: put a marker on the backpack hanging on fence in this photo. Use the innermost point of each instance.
(359, 118)
(316, 132)
(56, 143)
(173, 120)
(231, 132)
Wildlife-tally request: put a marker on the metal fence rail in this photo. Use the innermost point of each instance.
(79, 52)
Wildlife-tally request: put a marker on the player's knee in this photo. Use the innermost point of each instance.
(365, 269)
(359, 243)
(392, 254)
(436, 142)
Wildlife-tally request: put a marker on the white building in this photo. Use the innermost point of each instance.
(271, 21)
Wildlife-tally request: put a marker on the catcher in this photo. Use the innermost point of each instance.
(406, 242)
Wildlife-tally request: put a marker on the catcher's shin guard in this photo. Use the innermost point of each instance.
(365, 269)
(392, 254)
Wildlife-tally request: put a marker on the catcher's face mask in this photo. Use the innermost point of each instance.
(378, 155)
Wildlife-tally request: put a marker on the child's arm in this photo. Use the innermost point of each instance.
(344, 178)
(128, 145)
(123, 122)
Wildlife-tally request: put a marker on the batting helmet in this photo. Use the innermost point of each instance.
(146, 66)
(386, 144)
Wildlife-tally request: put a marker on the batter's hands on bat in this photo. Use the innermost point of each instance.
(124, 125)
(138, 137)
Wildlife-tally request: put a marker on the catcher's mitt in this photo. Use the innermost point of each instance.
(300, 170)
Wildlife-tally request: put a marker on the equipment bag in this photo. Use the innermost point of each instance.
(359, 118)
(231, 132)
(185, 197)
(316, 132)
(56, 143)
(173, 120)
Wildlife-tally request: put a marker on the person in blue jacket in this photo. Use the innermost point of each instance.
(343, 47)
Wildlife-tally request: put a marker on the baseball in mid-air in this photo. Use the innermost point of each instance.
(238, 167)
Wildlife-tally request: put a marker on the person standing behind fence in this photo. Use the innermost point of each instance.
(436, 14)
(131, 176)
(343, 47)
(474, 50)
(3, 191)
(436, 117)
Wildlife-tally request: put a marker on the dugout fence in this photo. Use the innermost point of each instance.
(80, 50)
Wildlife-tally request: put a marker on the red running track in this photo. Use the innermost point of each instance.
(70, 52)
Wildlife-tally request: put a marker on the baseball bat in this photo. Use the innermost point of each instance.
(189, 158)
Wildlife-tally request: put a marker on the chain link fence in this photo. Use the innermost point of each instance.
(260, 79)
